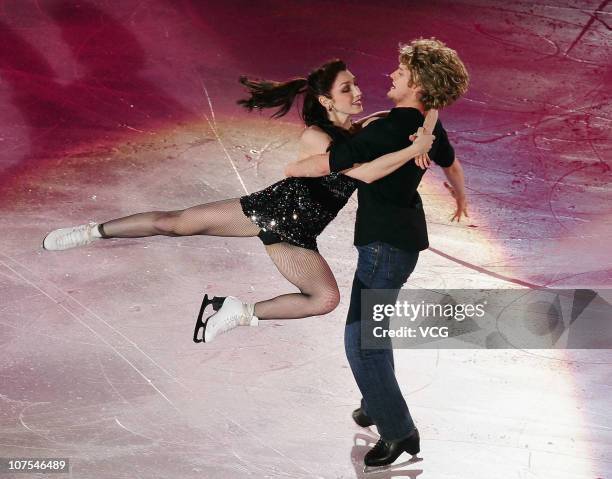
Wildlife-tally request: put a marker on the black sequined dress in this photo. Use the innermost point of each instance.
(298, 209)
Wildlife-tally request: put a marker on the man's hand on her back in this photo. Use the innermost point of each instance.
(422, 161)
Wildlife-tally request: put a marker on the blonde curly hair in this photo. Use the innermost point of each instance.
(435, 68)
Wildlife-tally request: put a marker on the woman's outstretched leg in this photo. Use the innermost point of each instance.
(221, 218)
(306, 269)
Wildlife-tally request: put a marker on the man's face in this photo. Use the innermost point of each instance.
(400, 90)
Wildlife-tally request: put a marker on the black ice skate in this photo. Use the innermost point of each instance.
(384, 453)
(361, 418)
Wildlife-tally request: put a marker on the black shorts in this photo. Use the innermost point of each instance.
(269, 237)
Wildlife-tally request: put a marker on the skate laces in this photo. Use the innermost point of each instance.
(379, 445)
(229, 321)
(78, 235)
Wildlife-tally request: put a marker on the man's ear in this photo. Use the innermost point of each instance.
(413, 84)
(417, 90)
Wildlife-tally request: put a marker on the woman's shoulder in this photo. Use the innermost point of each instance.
(314, 138)
(313, 132)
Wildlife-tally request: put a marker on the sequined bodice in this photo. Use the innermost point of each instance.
(299, 209)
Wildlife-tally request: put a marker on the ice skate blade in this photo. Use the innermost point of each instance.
(199, 323)
(216, 302)
(391, 467)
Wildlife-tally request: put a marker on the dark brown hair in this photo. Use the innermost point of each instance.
(282, 95)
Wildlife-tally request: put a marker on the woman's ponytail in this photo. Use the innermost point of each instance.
(271, 94)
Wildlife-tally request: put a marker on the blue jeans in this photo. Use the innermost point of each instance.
(380, 266)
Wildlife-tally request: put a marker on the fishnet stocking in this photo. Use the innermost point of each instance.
(304, 268)
(222, 218)
(307, 270)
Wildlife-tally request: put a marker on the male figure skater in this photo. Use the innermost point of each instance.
(390, 227)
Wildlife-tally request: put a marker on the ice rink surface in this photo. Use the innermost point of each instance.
(110, 108)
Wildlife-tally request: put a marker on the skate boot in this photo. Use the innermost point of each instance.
(361, 418)
(384, 453)
(231, 314)
(66, 238)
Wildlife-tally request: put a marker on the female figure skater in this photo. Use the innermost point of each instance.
(287, 216)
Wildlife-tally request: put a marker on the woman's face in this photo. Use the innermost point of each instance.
(346, 95)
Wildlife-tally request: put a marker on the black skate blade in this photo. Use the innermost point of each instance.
(216, 302)
(199, 323)
(394, 467)
(204, 328)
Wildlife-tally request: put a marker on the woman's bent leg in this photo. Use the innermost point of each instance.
(307, 270)
(303, 267)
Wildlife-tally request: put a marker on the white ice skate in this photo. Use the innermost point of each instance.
(66, 238)
(231, 314)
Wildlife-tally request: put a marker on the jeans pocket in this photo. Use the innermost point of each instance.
(368, 262)
(401, 265)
